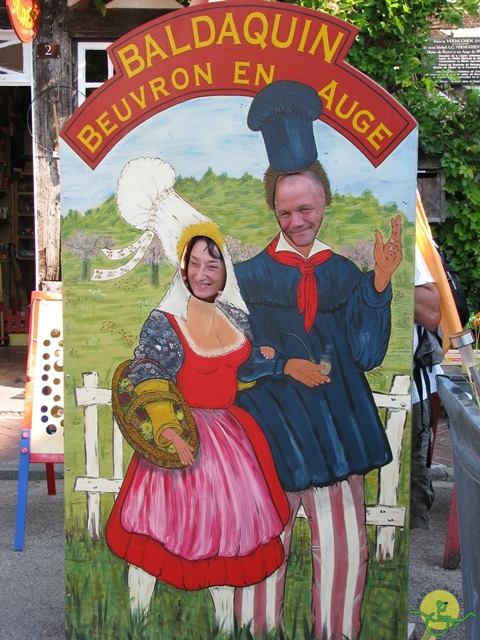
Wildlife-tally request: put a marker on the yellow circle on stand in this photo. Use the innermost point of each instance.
(438, 604)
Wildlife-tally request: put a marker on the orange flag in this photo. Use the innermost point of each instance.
(450, 322)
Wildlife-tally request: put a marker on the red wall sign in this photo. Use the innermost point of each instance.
(210, 50)
(25, 18)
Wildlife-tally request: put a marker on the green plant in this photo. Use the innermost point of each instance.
(390, 49)
(100, 6)
(460, 232)
(474, 326)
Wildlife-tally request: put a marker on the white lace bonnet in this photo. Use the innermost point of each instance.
(147, 200)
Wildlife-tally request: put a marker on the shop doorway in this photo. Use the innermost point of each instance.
(17, 199)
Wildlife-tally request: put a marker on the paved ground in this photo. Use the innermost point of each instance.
(32, 581)
(32, 600)
(13, 365)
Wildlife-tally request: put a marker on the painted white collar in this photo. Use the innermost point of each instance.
(318, 246)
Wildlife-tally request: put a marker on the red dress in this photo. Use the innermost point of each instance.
(218, 521)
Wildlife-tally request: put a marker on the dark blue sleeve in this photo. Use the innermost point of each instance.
(257, 366)
(368, 323)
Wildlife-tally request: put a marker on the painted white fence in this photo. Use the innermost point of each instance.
(90, 397)
(386, 515)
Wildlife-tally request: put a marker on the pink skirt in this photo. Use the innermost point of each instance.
(219, 506)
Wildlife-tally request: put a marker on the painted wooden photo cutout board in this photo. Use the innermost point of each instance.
(224, 451)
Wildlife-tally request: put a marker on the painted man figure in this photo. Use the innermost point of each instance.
(328, 324)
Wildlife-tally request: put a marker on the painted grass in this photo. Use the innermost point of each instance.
(98, 606)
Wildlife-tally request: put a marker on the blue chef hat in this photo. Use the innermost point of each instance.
(284, 112)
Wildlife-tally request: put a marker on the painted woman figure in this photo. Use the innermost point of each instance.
(217, 520)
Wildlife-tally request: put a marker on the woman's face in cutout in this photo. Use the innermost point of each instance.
(206, 274)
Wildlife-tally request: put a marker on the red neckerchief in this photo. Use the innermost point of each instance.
(307, 293)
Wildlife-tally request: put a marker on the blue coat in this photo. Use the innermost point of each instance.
(324, 434)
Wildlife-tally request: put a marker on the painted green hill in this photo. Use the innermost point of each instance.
(238, 206)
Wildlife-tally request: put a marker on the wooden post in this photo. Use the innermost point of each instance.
(52, 98)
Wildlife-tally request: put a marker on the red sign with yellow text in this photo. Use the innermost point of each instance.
(236, 48)
(25, 18)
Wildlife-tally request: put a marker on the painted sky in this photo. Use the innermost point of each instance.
(212, 132)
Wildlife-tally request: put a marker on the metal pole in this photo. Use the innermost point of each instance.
(463, 342)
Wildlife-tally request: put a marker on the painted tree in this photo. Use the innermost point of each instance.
(361, 253)
(155, 256)
(238, 251)
(87, 246)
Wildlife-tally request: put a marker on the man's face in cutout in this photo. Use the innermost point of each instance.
(300, 207)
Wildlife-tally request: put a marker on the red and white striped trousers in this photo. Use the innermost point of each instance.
(336, 515)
